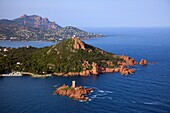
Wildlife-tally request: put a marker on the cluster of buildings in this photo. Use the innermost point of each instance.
(4, 49)
(12, 74)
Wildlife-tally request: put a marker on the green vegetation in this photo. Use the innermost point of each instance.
(62, 57)
(15, 59)
(68, 88)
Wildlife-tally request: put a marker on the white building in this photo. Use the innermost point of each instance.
(5, 49)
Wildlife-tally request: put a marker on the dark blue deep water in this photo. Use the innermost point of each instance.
(146, 91)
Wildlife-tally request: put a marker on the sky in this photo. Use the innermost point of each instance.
(92, 13)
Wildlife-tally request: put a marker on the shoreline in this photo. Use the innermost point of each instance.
(62, 74)
(122, 69)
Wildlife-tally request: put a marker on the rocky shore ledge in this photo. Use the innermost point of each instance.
(123, 68)
(78, 93)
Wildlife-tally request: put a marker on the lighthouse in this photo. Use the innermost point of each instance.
(73, 84)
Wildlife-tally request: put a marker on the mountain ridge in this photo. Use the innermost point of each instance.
(36, 21)
(35, 27)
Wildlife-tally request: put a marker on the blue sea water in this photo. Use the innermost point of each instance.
(17, 44)
(146, 91)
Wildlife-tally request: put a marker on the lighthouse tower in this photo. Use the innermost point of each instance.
(73, 84)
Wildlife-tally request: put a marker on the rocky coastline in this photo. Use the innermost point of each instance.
(123, 68)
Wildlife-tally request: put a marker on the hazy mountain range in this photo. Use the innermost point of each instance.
(34, 27)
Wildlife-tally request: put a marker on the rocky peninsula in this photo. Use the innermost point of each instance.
(78, 93)
(71, 57)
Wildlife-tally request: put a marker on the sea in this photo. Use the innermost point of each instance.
(145, 91)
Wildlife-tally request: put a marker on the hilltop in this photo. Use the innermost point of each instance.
(34, 27)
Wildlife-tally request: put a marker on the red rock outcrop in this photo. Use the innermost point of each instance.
(109, 63)
(78, 44)
(71, 74)
(85, 73)
(95, 69)
(85, 64)
(38, 22)
(122, 70)
(109, 70)
(78, 93)
(126, 71)
(143, 62)
(128, 61)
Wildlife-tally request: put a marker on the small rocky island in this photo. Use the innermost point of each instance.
(71, 57)
(78, 93)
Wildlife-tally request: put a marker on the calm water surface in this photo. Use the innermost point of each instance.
(146, 91)
(17, 44)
